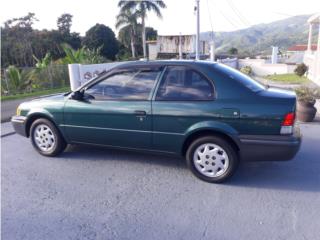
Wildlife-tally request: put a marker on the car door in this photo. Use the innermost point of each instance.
(184, 97)
(119, 113)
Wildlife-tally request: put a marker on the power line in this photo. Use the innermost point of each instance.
(231, 21)
(228, 19)
(210, 19)
(237, 12)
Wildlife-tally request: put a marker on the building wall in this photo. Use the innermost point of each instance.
(231, 62)
(170, 44)
(313, 63)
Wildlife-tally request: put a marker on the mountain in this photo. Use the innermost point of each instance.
(258, 39)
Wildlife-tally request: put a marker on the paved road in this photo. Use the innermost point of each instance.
(92, 193)
(8, 108)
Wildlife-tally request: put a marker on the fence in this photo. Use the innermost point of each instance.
(30, 79)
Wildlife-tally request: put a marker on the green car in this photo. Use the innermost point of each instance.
(211, 114)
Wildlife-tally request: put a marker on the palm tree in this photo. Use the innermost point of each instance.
(129, 19)
(143, 7)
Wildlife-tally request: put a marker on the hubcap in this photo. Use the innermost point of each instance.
(44, 137)
(211, 160)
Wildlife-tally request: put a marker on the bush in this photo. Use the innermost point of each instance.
(26, 80)
(246, 70)
(307, 94)
(301, 69)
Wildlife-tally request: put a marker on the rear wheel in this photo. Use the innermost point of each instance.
(212, 159)
(46, 138)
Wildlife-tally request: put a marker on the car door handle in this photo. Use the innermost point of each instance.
(140, 113)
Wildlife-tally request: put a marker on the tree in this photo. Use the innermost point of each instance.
(233, 51)
(301, 69)
(18, 80)
(22, 22)
(20, 42)
(64, 23)
(143, 7)
(124, 38)
(128, 19)
(102, 36)
(16, 47)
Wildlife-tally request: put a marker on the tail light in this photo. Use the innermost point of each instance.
(287, 124)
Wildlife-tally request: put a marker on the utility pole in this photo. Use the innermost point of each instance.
(198, 30)
(212, 51)
(180, 46)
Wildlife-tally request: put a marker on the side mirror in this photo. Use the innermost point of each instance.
(77, 95)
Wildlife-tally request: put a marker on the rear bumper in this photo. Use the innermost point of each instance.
(19, 125)
(270, 148)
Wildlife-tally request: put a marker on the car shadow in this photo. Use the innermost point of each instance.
(277, 175)
(300, 174)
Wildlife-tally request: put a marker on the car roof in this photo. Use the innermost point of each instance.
(166, 62)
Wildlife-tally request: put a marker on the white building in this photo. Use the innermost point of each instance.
(168, 46)
(312, 58)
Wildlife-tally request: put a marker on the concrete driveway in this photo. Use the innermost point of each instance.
(94, 193)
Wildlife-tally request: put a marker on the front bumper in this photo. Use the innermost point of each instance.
(270, 148)
(19, 125)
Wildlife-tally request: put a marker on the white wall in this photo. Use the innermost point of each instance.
(260, 68)
(153, 51)
(231, 62)
(313, 63)
(81, 73)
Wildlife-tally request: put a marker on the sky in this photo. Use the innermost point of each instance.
(178, 17)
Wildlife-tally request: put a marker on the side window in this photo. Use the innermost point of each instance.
(184, 84)
(130, 85)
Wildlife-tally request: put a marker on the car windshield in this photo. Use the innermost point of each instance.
(242, 78)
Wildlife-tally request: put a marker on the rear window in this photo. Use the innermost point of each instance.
(241, 77)
(181, 83)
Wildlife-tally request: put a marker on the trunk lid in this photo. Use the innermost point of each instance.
(284, 98)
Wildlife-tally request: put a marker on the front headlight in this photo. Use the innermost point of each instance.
(18, 112)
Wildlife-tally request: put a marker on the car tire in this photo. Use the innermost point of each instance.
(212, 159)
(46, 138)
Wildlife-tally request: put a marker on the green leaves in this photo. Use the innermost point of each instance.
(44, 62)
(82, 55)
(18, 80)
(307, 94)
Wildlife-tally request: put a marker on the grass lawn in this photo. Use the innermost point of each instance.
(289, 78)
(35, 94)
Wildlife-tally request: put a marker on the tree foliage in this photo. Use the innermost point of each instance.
(102, 36)
(82, 55)
(21, 43)
(301, 69)
(64, 23)
(233, 51)
(143, 7)
(128, 19)
(124, 37)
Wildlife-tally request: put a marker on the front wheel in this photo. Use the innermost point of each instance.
(46, 138)
(212, 159)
